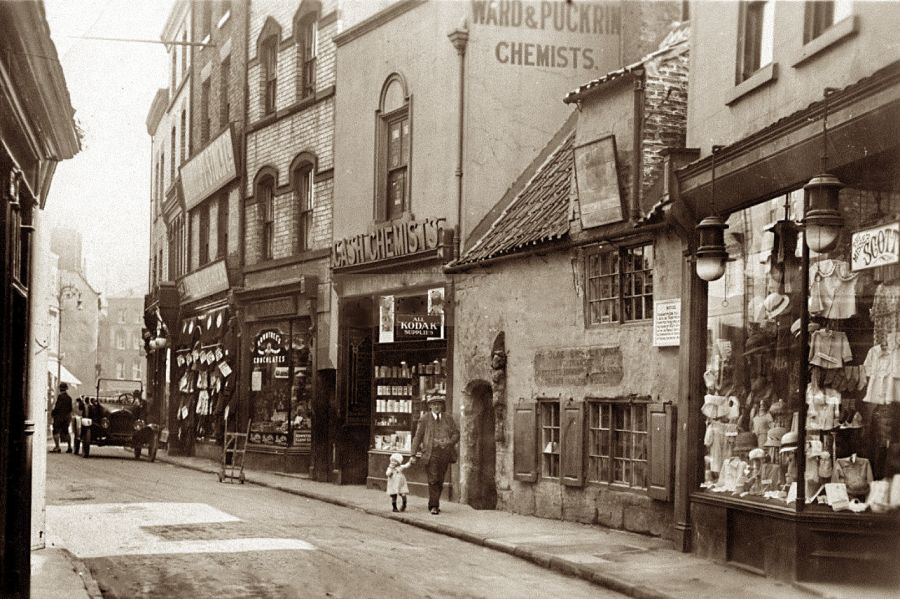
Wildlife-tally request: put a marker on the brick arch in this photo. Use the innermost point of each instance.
(307, 8)
(269, 28)
(262, 173)
(304, 158)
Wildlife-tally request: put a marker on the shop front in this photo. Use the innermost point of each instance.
(797, 403)
(394, 348)
(202, 364)
(279, 382)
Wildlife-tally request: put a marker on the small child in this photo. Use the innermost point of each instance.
(396, 481)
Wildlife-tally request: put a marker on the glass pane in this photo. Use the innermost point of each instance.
(640, 418)
(638, 479)
(405, 148)
(640, 447)
(604, 443)
(618, 471)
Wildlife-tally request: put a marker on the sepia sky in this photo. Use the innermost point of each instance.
(104, 191)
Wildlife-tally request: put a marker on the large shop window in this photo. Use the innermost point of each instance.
(409, 366)
(619, 285)
(617, 444)
(281, 384)
(751, 408)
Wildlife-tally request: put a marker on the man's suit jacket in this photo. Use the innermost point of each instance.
(424, 439)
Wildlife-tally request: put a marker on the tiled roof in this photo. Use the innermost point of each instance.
(538, 213)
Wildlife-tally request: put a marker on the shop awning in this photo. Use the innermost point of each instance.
(64, 375)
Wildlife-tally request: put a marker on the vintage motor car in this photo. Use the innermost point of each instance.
(116, 416)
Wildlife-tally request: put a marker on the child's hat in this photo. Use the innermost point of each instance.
(396, 457)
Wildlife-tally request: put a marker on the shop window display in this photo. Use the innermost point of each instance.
(281, 385)
(753, 401)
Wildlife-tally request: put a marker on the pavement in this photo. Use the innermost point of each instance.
(635, 565)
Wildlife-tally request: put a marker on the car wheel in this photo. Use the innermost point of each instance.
(86, 443)
(154, 447)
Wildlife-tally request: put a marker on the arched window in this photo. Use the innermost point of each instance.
(394, 141)
(302, 184)
(306, 38)
(267, 53)
(265, 195)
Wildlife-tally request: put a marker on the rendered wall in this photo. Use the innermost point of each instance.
(535, 302)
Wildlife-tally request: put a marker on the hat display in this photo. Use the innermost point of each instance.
(757, 342)
(812, 327)
(757, 454)
(773, 437)
(775, 304)
(789, 442)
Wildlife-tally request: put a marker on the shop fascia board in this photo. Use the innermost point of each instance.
(305, 288)
(773, 162)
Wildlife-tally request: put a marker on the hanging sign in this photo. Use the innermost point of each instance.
(878, 246)
(597, 179)
(667, 323)
(268, 348)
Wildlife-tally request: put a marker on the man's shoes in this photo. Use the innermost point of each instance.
(435, 511)
(56, 450)
(395, 509)
(68, 450)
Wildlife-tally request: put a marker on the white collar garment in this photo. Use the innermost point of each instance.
(436, 416)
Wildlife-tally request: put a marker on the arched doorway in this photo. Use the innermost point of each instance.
(481, 452)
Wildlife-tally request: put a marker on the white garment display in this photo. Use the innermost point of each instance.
(883, 368)
(832, 290)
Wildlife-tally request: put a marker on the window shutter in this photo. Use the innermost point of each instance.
(572, 443)
(661, 423)
(525, 441)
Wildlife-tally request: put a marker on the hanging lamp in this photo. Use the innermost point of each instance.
(823, 219)
(711, 252)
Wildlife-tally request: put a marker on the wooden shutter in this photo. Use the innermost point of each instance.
(661, 418)
(571, 440)
(525, 466)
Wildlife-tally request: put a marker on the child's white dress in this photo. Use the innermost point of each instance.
(396, 480)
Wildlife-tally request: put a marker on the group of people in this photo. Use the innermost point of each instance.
(435, 445)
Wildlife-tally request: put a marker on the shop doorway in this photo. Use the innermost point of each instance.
(479, 468)
(355, 393)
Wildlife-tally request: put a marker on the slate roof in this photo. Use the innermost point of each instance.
(538, 213)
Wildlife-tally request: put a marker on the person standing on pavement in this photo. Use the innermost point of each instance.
(62, 414)
(435, 444)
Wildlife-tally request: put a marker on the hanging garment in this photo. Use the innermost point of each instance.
(855, 472)
(829, 349)
(882, 366)
(832, 290)
(885, 311)
(715, 443)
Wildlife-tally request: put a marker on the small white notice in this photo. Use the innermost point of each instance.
(667, 323)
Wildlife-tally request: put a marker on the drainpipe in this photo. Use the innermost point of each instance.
(638, 146)
(460, 38)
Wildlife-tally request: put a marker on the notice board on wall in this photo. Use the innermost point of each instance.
(667, 323)
(597, 179)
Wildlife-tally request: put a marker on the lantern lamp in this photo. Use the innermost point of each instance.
(823, 217)
(711, 252)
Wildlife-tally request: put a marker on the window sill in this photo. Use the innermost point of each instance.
(838, 32)
(224, 19)
(628, 323)
(763, 76)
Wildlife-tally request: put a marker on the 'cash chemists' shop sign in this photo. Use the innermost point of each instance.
(390, 240)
